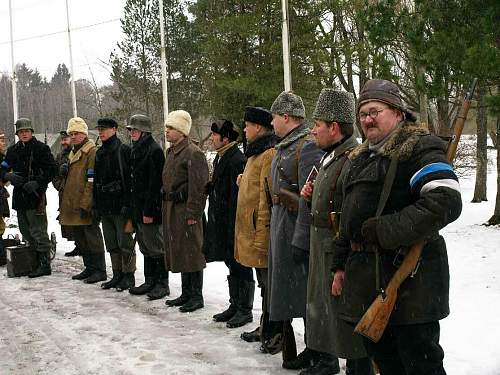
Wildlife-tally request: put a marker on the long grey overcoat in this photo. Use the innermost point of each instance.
(325, 331)
(185, 171)
(287, 278)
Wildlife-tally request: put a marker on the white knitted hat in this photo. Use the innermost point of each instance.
(179, 120)
(77, 124)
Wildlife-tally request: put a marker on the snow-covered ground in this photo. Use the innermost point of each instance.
(54, 325)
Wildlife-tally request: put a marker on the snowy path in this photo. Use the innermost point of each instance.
(54, 325)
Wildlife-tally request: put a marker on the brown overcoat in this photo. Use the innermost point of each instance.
(186, 172)
(77, 193)
(252, 213)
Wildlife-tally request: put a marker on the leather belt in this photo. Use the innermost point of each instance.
(321, 222)
(359, 246)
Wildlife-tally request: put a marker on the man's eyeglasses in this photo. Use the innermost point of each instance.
(373, 113)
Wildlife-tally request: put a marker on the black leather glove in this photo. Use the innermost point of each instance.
(84, 214)
(14, 178)
(369, 231)
(31, 186)
(299, 255)
(63, 169)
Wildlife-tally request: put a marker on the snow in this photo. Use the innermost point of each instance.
(55, 325)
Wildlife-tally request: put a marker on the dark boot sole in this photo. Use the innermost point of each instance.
(186, 309)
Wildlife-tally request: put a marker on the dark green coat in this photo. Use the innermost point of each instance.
(325, 331)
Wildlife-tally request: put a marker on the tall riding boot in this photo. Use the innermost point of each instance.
(149, 281)
(87, 270)
(161, 288)
(289, 346)
(360, 366)
(116, 264)
(186, 291)
(99, 268)
(128, 268)
(244, 304)
(195, 302)
(43, 268)
(233, 298)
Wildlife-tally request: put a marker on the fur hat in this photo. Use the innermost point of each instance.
(386, 92)
(335, 105)
(140, 122)
(106, 123)
(226, 129)
(179, 120)
(76, 124)
(258, 115)
(24, 123)
(289, 103)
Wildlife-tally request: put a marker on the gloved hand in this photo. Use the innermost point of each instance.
(84, 214)
(64, 169)
(369, 231)
(14, 178)
(31, 186)
(299, 255)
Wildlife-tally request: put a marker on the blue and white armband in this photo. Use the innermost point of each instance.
(433, 176)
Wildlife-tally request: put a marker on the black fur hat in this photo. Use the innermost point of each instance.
(226, 129)
(259, 115)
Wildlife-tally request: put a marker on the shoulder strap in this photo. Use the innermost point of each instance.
(386, 189)
(120, 164)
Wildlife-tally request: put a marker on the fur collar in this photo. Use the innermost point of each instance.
(260, 145)
(295, 134)
(400, 143)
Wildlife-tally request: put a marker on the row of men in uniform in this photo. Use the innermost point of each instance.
(267, 211)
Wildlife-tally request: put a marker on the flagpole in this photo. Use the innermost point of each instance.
(73, 91)
(287, 74)
(13, 78)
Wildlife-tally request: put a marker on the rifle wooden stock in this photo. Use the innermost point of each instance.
(373, 323)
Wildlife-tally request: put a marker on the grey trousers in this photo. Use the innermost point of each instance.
(150, 239)
(33, 227)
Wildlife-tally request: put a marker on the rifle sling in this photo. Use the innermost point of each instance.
(384, 195)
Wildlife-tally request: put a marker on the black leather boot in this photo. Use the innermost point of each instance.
(86, 271)
(195, 301)
(186, 291)
(73, 253)
(149, 281)
(244, 304)
(307, 358)
(117, 276)
(98, 270)
(323, 364)
(233, 297)
(251, 336)
(161, 288)
(43, 268)
(127, 281)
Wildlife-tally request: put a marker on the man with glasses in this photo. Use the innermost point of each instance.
(423, 196)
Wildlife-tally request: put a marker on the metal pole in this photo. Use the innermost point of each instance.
(287, 74)
(13, 79)
(73, 91)
(163, 67)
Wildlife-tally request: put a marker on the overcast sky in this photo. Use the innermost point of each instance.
(36, 17)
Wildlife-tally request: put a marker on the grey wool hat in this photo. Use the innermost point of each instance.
(24, 123)
(289, 103)
(335, 105)
(140, 122)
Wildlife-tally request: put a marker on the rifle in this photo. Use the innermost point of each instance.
(269, 197)
(373, 323)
